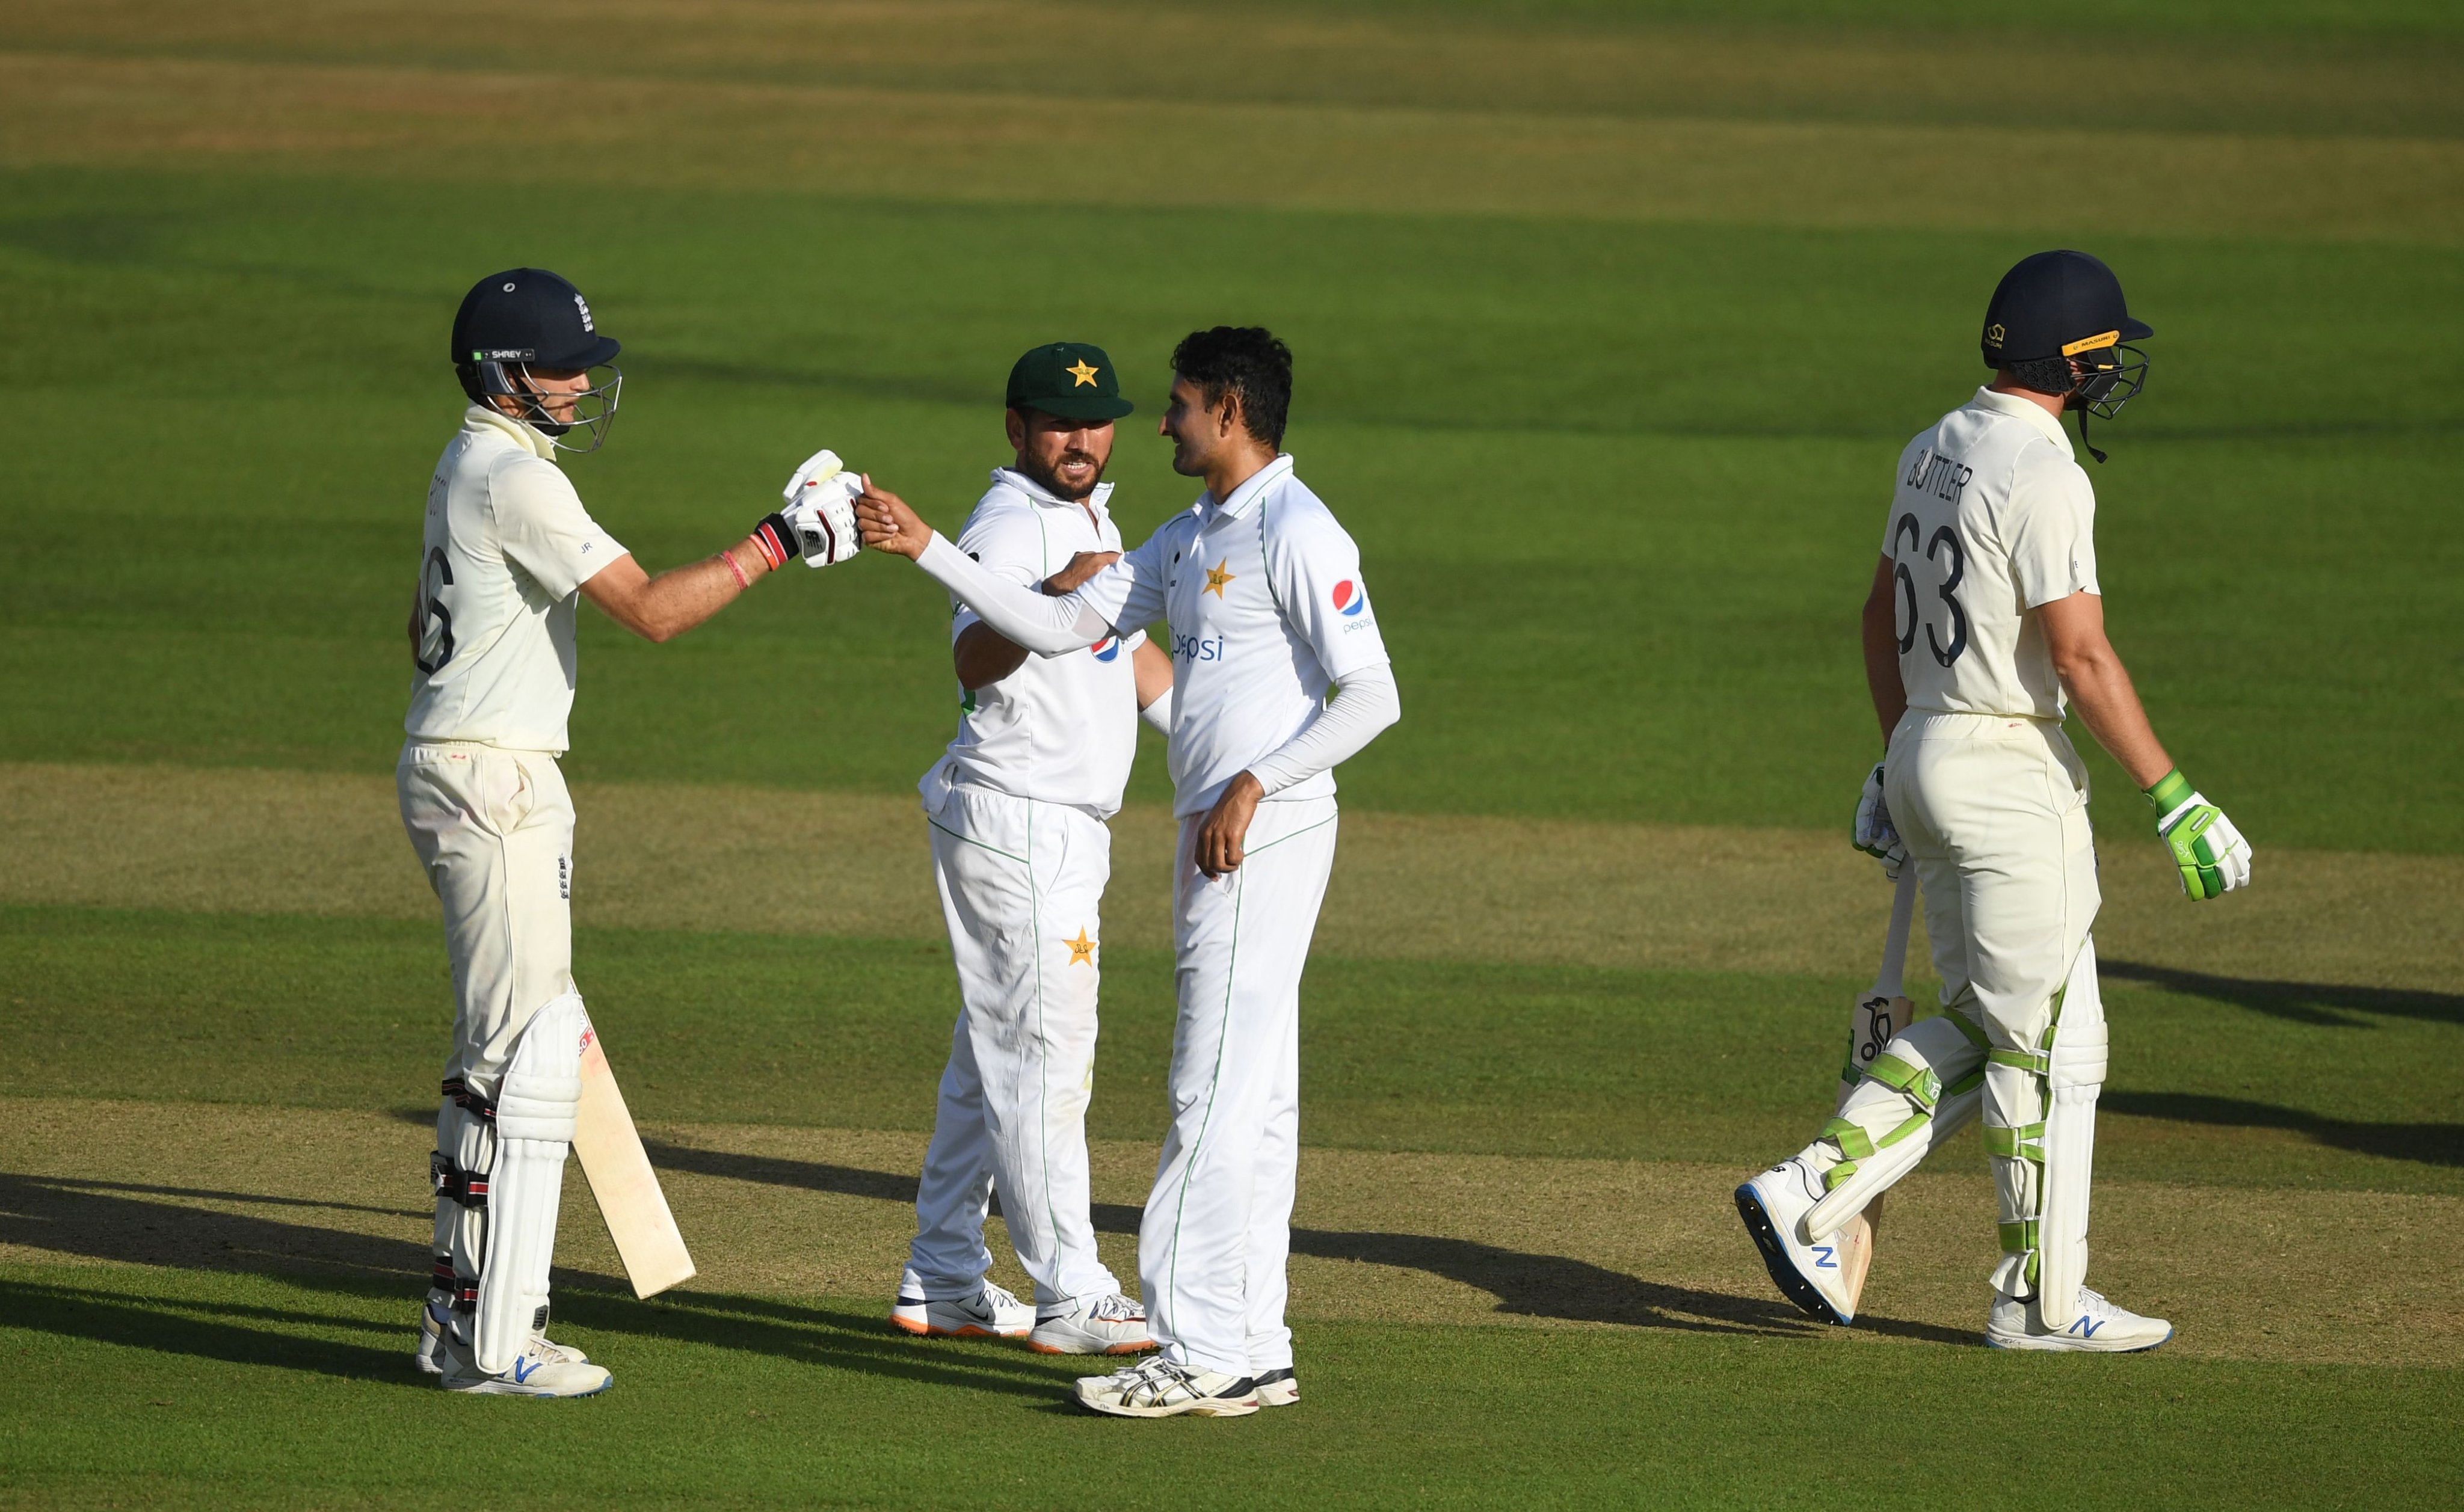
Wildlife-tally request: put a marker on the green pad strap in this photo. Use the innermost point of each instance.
(1966, 1084)
(1836, 1174)
(2040, 1064)
(1852, 1141)
(2027, 1141)
(1959, 1021)
(2020, 1239)
(1918, 1083)
(1915, 1123)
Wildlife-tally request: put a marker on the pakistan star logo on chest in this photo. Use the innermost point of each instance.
(1216, 577)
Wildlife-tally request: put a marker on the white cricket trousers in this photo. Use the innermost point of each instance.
(1994, 812)
(1217, 1228)
(495, 831)
(1021, 886)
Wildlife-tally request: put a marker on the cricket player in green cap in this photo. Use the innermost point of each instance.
(1017, 809)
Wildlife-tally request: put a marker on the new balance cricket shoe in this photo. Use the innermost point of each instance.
(1114, 1324)
(541, 1369)
(432, 1318)
(1278, 1389)
(1774, 1205)
(2099, 1328)
(1158, 1388)
(991, 1313)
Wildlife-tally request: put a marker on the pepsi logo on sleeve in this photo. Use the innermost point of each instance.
(1350, 598)
(1106, 648)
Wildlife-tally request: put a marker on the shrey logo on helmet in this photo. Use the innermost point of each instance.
(525, 321)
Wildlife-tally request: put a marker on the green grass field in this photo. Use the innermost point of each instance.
(1609, 321)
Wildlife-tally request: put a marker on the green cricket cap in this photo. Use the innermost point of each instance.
(1069, 379)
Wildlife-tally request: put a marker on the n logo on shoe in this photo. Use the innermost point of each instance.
(1825, 1261)
(522, 1377)
(2085, 1328)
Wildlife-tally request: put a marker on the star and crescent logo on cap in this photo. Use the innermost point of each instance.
(1082, 950)
(1216, 577)
(1083, 373)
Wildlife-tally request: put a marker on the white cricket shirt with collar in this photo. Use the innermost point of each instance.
(1268, 612)
(1060, 729)
(505, 552)
(1993, 517)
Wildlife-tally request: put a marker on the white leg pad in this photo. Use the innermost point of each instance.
(535, 1111)
(1922, 1089)
(2073, 1081)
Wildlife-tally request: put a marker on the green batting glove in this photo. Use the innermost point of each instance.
(2209, 854)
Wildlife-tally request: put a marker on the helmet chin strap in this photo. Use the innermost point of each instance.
(2083, 440)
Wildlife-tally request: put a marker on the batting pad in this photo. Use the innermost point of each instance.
(2072, 1082)
(535, 1111)
(1921, 1090)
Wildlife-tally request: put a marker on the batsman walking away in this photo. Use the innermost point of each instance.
(1983, 622)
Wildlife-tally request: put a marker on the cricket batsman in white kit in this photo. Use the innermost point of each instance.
(1278, 674)
(508, 549)
(1020, 852)
(1985, 612)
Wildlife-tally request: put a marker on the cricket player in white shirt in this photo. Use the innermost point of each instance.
(1017, 810)
(1278, 674)
(508, 549)
(1985, 612)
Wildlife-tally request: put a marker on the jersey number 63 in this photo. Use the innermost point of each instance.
(1944, 541)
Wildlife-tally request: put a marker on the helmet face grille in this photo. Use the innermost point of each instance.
(589, 411)
(2111, 378)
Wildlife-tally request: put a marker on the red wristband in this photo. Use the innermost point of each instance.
(742, 580)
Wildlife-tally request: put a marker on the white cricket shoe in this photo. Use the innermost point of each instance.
(991, 1313)
(1114, 1324)
(1278, 1389)
(1774, 1205)
(432, 1318)
(1158, 1388)
(2099, 1328)
(541, 1369)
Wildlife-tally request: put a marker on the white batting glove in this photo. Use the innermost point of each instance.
(819, 511)
(2208, 854)
(1875, 834)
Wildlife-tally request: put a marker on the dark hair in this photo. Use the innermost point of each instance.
(1243, 359)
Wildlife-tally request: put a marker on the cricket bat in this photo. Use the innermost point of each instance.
(621, 1181)
(1878, 1015)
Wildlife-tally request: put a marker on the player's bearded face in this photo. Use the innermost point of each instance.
(1067, 456)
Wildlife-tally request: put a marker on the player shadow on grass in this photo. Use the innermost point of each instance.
(2319, 1003)
(124, 1221)
(1525, 1285)
(2431, 1144)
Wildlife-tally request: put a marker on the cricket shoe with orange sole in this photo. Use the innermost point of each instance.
(991, 1313)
